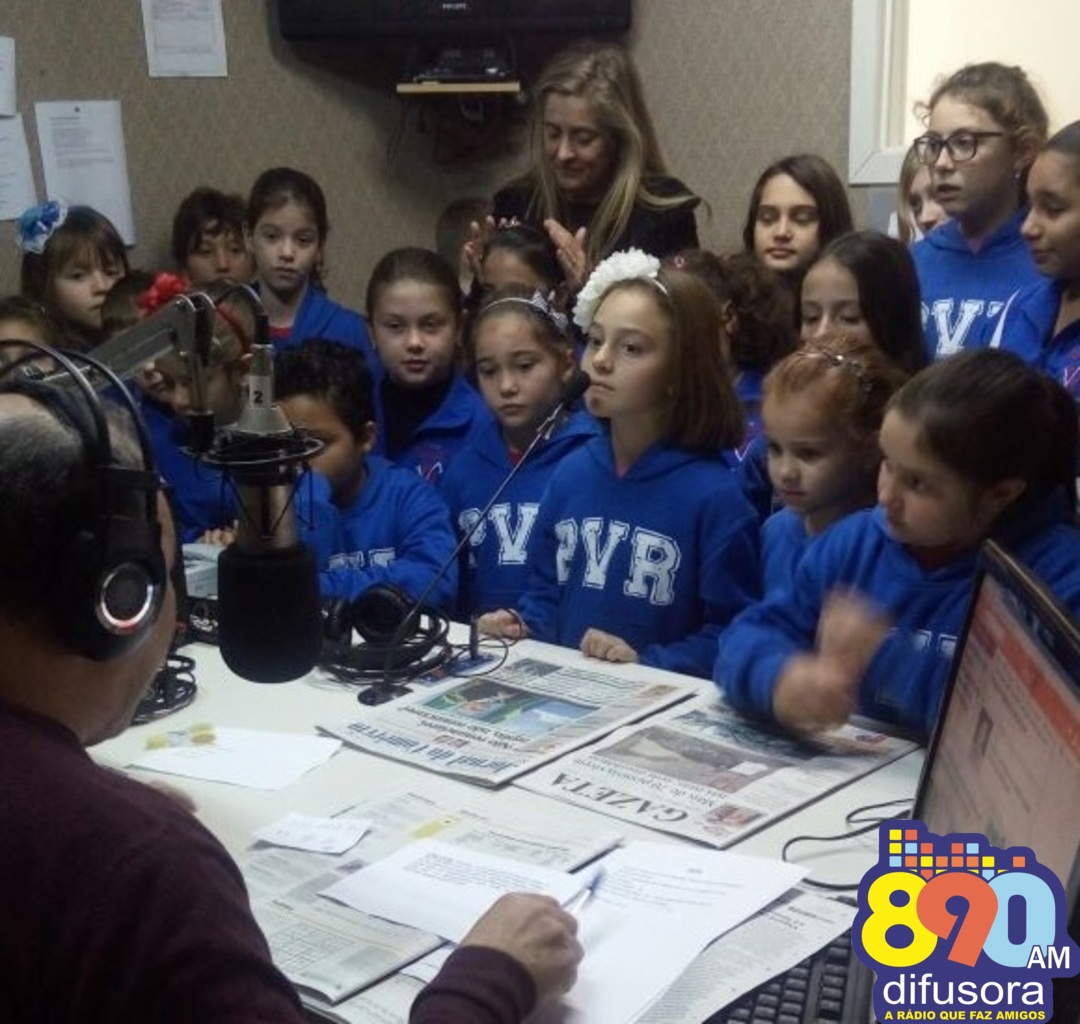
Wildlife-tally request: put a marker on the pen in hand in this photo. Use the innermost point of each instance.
(581, 899)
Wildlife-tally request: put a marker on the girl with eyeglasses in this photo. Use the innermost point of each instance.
(985, 124)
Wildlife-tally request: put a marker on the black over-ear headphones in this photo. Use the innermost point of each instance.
(378, 615)
(112, 579)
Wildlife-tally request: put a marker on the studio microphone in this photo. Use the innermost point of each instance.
(269, 617)
(385, 688)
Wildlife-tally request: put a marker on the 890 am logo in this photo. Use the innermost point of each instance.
(957, 929)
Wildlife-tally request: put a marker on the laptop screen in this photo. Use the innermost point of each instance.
(1005, 757)
(1005, 760)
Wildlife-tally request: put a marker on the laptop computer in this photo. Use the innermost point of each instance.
(1004, 760)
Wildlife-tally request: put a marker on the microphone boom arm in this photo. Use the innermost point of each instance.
(184, 326)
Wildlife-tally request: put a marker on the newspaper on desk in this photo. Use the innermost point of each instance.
(491, 729)
(330, 951)
(706, 772)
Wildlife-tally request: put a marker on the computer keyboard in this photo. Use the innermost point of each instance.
(811, 992)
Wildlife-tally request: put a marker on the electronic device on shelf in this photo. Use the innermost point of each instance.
(458, 64)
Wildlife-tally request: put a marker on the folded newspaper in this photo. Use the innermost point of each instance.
(491, 729)
(709, 773)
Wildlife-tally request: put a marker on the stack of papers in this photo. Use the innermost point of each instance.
(331, 951)
(443, 888)
(658, 907)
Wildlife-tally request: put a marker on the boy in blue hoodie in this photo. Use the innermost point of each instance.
(976, 446)
(391, 528)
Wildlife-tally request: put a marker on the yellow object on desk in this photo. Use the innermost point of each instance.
(199, 735)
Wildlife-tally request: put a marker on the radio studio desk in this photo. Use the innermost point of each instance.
(233, 813)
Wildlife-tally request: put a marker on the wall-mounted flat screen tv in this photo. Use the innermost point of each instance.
(360, 20)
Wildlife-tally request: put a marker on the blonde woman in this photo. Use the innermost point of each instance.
(598, 183)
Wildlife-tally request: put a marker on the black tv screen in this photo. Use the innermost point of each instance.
(458, 19)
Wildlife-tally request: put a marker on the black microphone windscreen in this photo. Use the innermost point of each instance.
(576, 387)
(269, 621)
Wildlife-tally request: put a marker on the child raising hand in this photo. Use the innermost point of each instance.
(976, 446)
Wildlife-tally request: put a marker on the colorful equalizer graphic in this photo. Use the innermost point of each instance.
(908, 850)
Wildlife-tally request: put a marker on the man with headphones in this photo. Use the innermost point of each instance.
(117, 905)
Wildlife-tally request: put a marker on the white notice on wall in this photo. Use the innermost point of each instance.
(8, 105)
(82, 152)
(16, 181)
(184, 38)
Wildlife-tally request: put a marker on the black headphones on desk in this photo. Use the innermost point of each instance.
(112, 579)
(379, 615)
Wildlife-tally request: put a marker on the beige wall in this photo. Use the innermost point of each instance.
(944, 37)
(733, 84)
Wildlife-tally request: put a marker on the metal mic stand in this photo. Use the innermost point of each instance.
(387, 687)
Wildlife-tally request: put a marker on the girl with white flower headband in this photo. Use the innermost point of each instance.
(644, 547)
(72, 256)
(522, 357)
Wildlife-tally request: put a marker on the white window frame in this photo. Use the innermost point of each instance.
(878, 59)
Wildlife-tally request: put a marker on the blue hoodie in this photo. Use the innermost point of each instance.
(396, 531)
(752, 472)
(441, 436)
(783, 541)
(320, 317)
(963, 292)
(494, 568)
(662, 556)
(905, 679)
(1027, 328)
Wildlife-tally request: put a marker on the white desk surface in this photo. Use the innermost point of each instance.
(232, 812)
